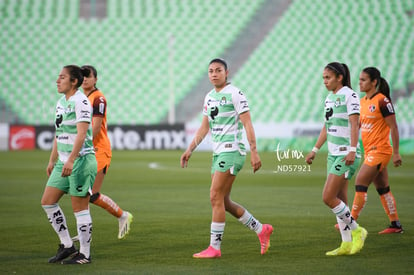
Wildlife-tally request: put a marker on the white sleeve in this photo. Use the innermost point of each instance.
(240, 102)
(83, 111)
(352, 103)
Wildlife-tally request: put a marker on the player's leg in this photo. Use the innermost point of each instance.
(221, 184)
(364, 178)
(81, 181)
(55, 188)
(124, 218)
(353, 236)
(388, 202)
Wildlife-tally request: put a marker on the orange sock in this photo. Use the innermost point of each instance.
(390, 207)
(360, 200)
(108, 204)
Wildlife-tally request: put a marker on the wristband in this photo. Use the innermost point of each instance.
(315, 149)
(352, 149)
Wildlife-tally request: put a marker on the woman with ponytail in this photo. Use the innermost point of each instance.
(341, 131)
(377, 121)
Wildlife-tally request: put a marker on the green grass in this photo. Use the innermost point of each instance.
(172, 220)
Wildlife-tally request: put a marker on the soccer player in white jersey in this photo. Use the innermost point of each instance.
(226, 111)
(72, 167)
(341, 131)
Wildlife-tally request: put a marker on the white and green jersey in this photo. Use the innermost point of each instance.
(68, 113)
(223, 109)
(338, 108)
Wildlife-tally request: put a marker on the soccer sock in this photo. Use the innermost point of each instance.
(342, 212)
(251, 222)
(84, 225)
(360, 199)
(388, 202)
(216, 234)
(106, 203)
(58, 222)
(345, 230)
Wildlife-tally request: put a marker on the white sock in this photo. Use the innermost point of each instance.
(58, 221)
(249, 221)
(84, 225)
(343, 213)
(345, 230)
(216, 234)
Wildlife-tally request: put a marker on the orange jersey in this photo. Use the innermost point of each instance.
(101, 141)
(375, 132)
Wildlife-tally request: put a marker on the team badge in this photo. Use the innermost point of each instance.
(223, 101)
(371, 108)
(338, 102)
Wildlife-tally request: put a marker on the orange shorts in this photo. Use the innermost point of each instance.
(374, 158)
(103, 160)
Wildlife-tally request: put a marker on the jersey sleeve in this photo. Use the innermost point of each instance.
(352, 104)
(99, 106)
(240, 102)
(386, 107)
(83, 111)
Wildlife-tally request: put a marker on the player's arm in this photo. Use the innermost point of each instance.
(96, 125)
(82, 129)
(53, 158)
(251, 138)
(354, 122)
(198, 138)
(319, 143)
(395, 137)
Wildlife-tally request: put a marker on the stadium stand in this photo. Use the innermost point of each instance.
(129, 47)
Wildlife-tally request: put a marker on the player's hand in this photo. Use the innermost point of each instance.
(49, 168)
(185, 157)
(67, 169)
(310, 157)
(396, 159)
(255, 161)
(349, 158)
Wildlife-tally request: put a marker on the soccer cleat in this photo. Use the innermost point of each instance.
(264, 238)
(79, 258)
(209, 253)
(392, 229)
(63, 253)
(344, 249)
(124, 224)
(359, 236)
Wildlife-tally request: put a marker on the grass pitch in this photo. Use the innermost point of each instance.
(172, 218)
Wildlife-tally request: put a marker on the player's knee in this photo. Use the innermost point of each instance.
(94, 197)
(382, 191)
(361, 188)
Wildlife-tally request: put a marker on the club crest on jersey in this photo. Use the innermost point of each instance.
(223, 101)
(371, 108)
(337, 102)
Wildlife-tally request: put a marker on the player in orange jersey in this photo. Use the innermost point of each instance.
(377, 120)
(103, 151)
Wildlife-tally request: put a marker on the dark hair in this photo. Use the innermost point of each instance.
(76, 72)
(219, 60)
(341, 69)
(89, 69)
(382, 84)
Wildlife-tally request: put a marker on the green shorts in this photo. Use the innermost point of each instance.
(80, 182)
(229, 160)
(336, 165)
